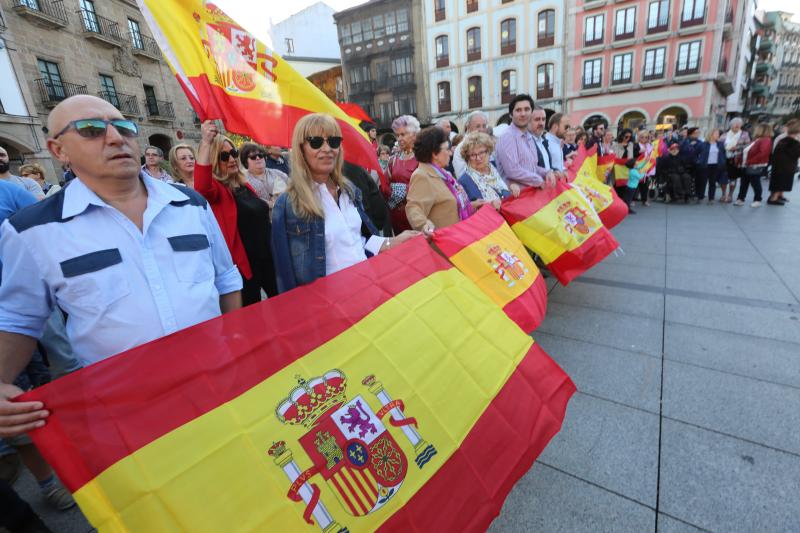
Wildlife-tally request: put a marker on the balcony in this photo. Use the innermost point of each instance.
(126, 103)
(542, 93)
(473, 54)
(362, 87)
(159, 110)
(588, 83)
(444, 106)
(400, 81)
(765, 68)
(759, 89)
(472, 6)
(442, 61)
(45, 13)
(724, 84)
(438, 15)
(100, 29)
(51, 92)
(766, 46)
(694, 21)
(142, 45)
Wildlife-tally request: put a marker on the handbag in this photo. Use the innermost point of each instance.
(398, 194)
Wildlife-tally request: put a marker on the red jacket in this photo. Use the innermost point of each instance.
(759, 152)
(223, 205)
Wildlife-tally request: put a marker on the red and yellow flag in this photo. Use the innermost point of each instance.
(582, 175)
(393, 394)
(561, 227)
(651, 159)
(604, 165)
(230, 75)
(622, 173)
(487, 252)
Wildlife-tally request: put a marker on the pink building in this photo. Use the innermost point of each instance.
(652, 62)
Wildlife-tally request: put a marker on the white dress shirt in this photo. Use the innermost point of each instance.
(555, 151)
(120, 287)
(344, 244)
(544, 151)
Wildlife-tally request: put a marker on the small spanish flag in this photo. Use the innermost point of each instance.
(604, 165)
(391, 395)
(562, 227)
(487, 252)
(582, 175)
(622, 172)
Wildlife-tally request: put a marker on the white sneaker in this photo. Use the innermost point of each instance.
(755, 204)
(738, 203)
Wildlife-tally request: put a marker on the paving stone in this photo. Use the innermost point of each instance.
(642, 275)
(624, 377)
(732, 253)
(725, 484)
(724, 268)
(667, 524)
(70, 521)
(754, 410)
(548, 500)
(633, 258)
(768, 288)
(608, 444)
(628, 301)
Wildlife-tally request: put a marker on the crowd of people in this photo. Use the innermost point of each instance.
(125, 251)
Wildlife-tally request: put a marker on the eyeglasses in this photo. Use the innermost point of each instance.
(477, 155)
(151, 154)
(224, 156)
(316, 142)
(92, 128)
(258, 155)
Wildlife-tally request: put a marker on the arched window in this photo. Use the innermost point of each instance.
(443, 94)
(475, 92)
(546, 34)
(473, 44)
(508, 85)
(442, 51)
(508, 36)
(544, 81)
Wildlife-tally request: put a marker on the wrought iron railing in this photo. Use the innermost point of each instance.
(126, 103)
(145, 44)
(159, 108)
(51, 8)
(94, 23)
(53, 91)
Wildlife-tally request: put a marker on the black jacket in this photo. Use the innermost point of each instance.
(374, 203)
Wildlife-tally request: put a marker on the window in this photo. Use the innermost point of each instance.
(89, 16)
(688, 58)
(109, 91)
(438, 10)
(366, 29)
(405, 105)
(622, 69)
(345, 34)
(355, 29)
(625, 23)
(593, 30)
(391, 23)
(443, 91)
(385, 112)
(546, 28)
(150, 100)
(508, 85)
(289, 45)
(31, 4)
(402, 20)
(508, 36)
(654, 61)
(475, 94)
(592, 73)
(472, 5)
(442, 51)
(136, 34)
(658, 16)
(51, 78)
(473, 44)
(544, 81)
(402, 70)
(693, 12)
(378, 28)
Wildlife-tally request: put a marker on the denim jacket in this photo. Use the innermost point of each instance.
(298, 244)
(705, 148)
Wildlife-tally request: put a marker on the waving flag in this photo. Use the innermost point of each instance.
(486, 251)
(604, 165)
(582, 175)
(230, 75)
(651, 159)
(560, 226)
(393, 394)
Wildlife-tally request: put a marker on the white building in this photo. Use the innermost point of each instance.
(480, 53)
(746, 68)
(308, 40)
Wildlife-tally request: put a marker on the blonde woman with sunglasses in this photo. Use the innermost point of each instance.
(319, 225)
(242, 215)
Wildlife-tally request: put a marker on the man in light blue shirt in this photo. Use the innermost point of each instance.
(127, 258)
(557, 128)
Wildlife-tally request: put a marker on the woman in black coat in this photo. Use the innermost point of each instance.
(784, 163)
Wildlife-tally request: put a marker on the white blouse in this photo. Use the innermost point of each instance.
(344, 244)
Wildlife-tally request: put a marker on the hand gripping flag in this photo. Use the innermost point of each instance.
(391, 395)
(559, 225)
(487, 252)
(622, 173)
(228, 74)
(582, 175)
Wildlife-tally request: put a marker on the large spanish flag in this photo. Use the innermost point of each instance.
(393, 394)
(583, 175)
(487, 252)
(230, 75)
(560, 225)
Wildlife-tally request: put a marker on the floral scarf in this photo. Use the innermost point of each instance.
(491, 185)
(462, 201)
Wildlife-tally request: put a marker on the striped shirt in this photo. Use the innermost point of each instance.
(517, 160)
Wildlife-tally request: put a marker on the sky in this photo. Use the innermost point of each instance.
(780, 5)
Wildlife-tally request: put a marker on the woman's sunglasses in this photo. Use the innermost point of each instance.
(258, 155)
(316, 142)
(92, 128)
(224, 156)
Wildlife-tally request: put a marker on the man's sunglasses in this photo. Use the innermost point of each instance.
(257, 155)
(91, 128)
(224, 156)
(316, 142)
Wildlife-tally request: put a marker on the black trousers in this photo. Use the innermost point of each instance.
(263, 278)
(15, 513)
(751, 176)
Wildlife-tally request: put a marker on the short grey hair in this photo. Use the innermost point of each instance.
(158, 150)
(443, 121)
(406, 121)
(737, 120)
(473, 115)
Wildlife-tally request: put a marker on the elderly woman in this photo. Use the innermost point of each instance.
(435, 198)
(319, 225)
(401, 166)
(35, 171)
(182, 161)
(481, 181)
(736, 139)
(268, 183)
(784, 163)
(243, 217)
(755, 159)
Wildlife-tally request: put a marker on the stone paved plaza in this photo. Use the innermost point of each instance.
(686, 354)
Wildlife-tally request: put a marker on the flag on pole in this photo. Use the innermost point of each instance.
(559, 225)
(487, 252)
(582, 175)
(393, 394)
(230, 75)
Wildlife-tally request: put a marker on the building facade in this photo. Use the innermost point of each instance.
(775, 88)
(653, 62)
(480, 53)
(53, 49)
(737, 100)
(308, 52)
(382, 59)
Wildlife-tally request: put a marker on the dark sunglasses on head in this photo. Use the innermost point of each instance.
(316, 142)
(224, 156)
(257, 155)
(91, 128)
